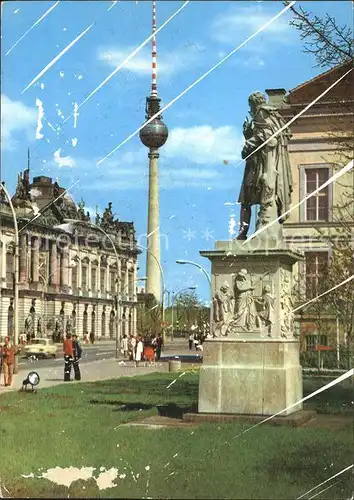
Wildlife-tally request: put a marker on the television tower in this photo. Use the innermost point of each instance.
(153, 136)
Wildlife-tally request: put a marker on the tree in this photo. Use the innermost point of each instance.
(149, 317)
(189, 311)
(330, 43)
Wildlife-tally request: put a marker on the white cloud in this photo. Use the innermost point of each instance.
(193, 157)
(63, 161)
(16, 119)
(203, 144)
(168, 64)
(239, 22)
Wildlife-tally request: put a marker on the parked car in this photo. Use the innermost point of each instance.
(41, 348)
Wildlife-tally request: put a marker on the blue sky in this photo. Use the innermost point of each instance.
(200, 172)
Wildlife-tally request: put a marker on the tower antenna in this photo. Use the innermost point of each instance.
(154, 53)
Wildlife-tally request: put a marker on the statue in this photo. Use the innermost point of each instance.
(3, 198)
(56, 190)
(267, 313)
(245, 315)
(267, 179)
(22, 196)
(81, 211)
(223, 309)
(39, 326)
(69, 326)
(107, 217)
(29, 326)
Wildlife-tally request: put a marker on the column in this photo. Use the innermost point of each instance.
(98, 274)
(126, 280)
(3, 260)
(89, 277)
(108, 288)
(23, 257)
(64, 268)
(54, 264)
(119, 277)
(35, 259)
(153, 240)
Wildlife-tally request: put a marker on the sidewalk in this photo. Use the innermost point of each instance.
(90, 372)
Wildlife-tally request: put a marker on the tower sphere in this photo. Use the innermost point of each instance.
(154, 134)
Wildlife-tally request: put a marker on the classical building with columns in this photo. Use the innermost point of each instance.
(70, 278)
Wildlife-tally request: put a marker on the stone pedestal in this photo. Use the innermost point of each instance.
(251, 365)
(250, 376)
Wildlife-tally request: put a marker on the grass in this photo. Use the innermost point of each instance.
(80, 425)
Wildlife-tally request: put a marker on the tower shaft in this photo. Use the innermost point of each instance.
(153, 233)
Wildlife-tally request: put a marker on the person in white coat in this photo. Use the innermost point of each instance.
(139, 350)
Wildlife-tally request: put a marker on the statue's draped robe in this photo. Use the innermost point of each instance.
(245, 308)
(268, 172)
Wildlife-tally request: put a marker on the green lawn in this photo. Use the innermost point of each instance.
(79, 425)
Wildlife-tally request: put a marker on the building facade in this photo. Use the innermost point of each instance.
(319, 146)
(70, 279)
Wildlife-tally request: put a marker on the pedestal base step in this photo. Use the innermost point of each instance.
(294, 420)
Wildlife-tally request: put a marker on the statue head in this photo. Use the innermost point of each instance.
(267, 289)
(224, 287)
(256, 99)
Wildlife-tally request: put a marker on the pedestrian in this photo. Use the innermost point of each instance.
(92, 338)
(124, 346)
(191, 340)
(196, 342)
(86, 338)
(132, 348)
(77, 356)
(8, 360)
(159, 344)
(139, 350)
(68, 357)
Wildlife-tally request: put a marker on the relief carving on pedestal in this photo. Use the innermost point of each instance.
(223, 303)
(286, 305)
(242, 311)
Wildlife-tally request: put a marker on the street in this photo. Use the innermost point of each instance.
(91, 353)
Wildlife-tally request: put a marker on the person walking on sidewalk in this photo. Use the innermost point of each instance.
(191, 340)
(77, 356)
(124, 346)
(8, 360)
(159, 344)
(139, 351)
(68, 357)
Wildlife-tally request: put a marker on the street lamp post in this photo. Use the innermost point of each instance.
(174, 296)
(210, 285)
(15, 271)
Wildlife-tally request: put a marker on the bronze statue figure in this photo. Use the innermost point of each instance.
(267, 179)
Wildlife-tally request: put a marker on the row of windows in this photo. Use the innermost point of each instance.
(112, 286)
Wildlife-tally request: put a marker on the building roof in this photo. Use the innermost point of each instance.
(309, 90)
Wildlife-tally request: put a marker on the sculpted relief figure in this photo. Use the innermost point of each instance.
(267, 180)
(267, 313)
(223, 309)
(286, 306)
(245, 314)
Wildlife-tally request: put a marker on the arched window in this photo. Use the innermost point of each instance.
(111, 324)
(85, 320)
(9, 268)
